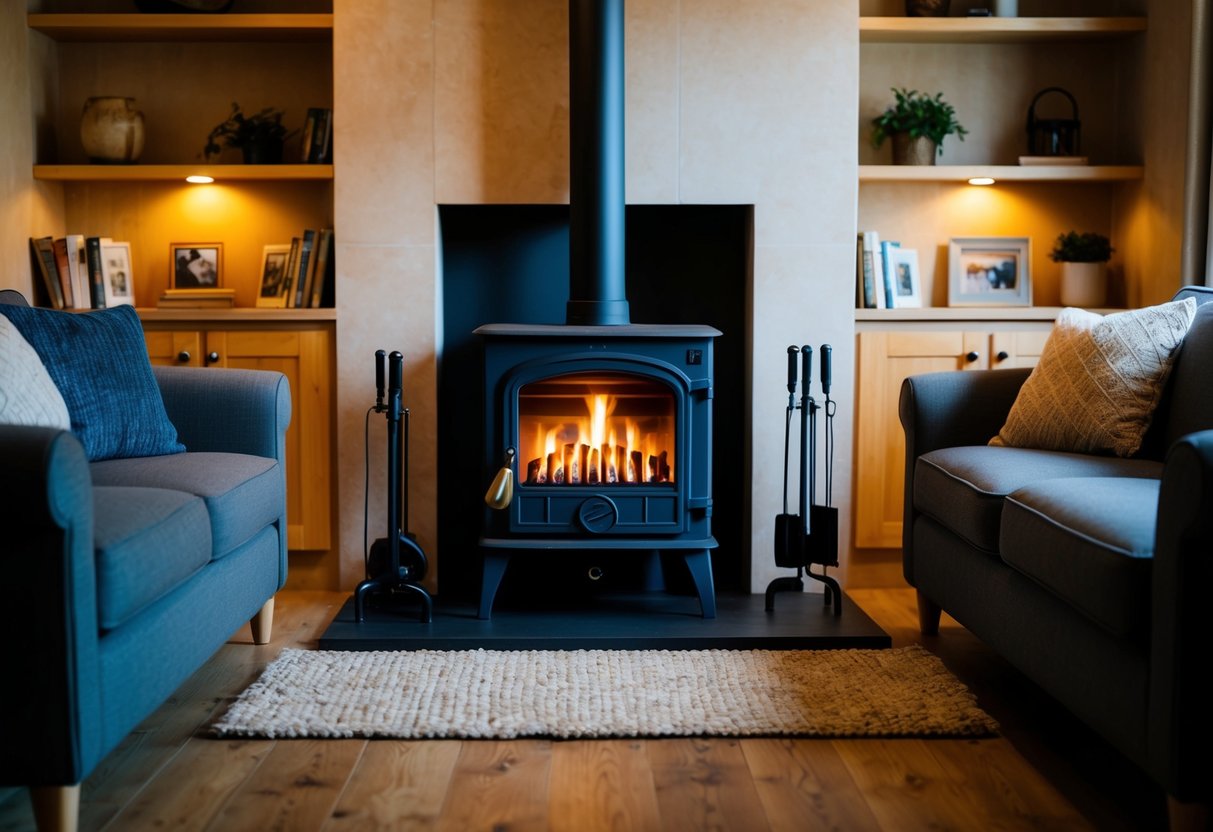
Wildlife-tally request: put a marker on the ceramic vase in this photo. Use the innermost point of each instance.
(1084, 284)
(111, 130)
(910, 150)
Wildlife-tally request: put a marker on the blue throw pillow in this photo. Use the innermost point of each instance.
(98, 360)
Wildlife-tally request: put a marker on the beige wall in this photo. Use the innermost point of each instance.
(27, 209)
(466, 101)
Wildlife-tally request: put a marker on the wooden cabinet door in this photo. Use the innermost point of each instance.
(1017, 349)
(305, 358)
(885, 360)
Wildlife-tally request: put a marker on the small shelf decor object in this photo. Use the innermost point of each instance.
(273, 276)
(906, 282)
(259, 136)
(1084, 267)
(1054, 136)
(195, 265)
(917, 123)
(116, 274)
(989, 271)
(927, 8)
(111, 130)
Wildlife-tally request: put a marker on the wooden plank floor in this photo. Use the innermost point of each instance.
(1045, 772)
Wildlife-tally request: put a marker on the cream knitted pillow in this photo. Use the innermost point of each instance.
(1098, 380)
(27, 394)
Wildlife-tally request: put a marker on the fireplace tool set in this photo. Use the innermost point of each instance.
(810, 536)
(394, 564)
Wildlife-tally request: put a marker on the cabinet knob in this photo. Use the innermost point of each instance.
(183, 356)
(1003, 355)
(972, 356)
(212, 357)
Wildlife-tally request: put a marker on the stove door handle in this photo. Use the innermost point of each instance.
(501, 490)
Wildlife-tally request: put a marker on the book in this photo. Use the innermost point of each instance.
(886, 271)
(77, 266)
(868, 270)
(1052, 160)
(323, 271)
(197, 299)
(317, 135)
(872, 239)
(63, 267)
(42, 250)
(306, 243)
(96, 278)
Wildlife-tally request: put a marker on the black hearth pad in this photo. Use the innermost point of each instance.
(655, 621)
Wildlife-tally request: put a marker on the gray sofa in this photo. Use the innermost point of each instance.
(1088, 573)
(126, 575)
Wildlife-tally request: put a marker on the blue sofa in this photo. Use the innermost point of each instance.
(1089, 573)
(125, 575)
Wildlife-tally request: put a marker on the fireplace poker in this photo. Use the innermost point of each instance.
(395, 563)
(789, 532)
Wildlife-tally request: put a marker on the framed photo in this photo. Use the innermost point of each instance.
(907, 285)
(989, 271)
(273, 275)
(116, 274)
(196, 265)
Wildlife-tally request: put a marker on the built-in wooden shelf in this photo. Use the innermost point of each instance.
(177, 173)
(995, 29)
(242, 314)
(1000, 173)
(183, 27)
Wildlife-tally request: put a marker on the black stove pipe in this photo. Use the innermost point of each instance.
(597, 290)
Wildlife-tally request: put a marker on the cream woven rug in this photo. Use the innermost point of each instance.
(899, 692)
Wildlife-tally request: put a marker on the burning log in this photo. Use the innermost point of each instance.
(580, 474)
(621, 463)
(607, 463)
(638, 466)
(554, 470)
(652, 469)
(663, 467)
(592, 471)
(532, 471)
(570, 473)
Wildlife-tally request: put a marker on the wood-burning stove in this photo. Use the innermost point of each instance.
(606, 424)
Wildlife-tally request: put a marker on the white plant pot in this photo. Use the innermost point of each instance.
(1084, 284)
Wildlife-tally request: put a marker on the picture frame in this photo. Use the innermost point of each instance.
(906, 283)
(195, 265)
(274, 283)
(117, 276)
(990, 271)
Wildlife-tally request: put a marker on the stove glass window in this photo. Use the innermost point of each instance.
(596, 428)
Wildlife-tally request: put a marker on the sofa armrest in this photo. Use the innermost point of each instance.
(51, 725)
(1179, 729)
(219, 409)
(946, 410)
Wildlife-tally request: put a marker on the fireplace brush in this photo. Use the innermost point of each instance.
(811, 536)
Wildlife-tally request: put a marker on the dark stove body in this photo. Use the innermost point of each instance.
(667, 508)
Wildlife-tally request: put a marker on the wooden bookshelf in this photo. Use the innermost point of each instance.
(68, 28)
(177, 173)
(995, 29)
(1000, 173)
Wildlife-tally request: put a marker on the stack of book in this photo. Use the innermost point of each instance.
(317, 145)
(310, 270)
(886, 275)
(197, 299)
(71, 272)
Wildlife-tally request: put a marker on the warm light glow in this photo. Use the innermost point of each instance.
(199, 179)
(596, 428)
(981, 180)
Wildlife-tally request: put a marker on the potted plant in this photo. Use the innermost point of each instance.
(258, 136)
(917, 123)
(1084, 264)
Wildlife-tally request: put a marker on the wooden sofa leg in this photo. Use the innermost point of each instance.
(262, 623)
(56, 807)
(928, 616)
(1183, 817)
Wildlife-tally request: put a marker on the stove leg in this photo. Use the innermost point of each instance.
(494, 568)
(699, 561)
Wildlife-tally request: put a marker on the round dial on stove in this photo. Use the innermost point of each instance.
(598, 514)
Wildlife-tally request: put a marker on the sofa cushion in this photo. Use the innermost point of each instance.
(1098, 381)
(99, 362)
(1188, 403)
(148, 541)
(1090, 541)
(964, 488)
(243, 493)
(27, 394)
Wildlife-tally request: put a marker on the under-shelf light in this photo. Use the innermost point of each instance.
(981, 180)
(199, 179)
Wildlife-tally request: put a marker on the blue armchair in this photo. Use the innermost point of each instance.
(126, 575)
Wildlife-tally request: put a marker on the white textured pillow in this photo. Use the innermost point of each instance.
(1098, 380)
(27, 394)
